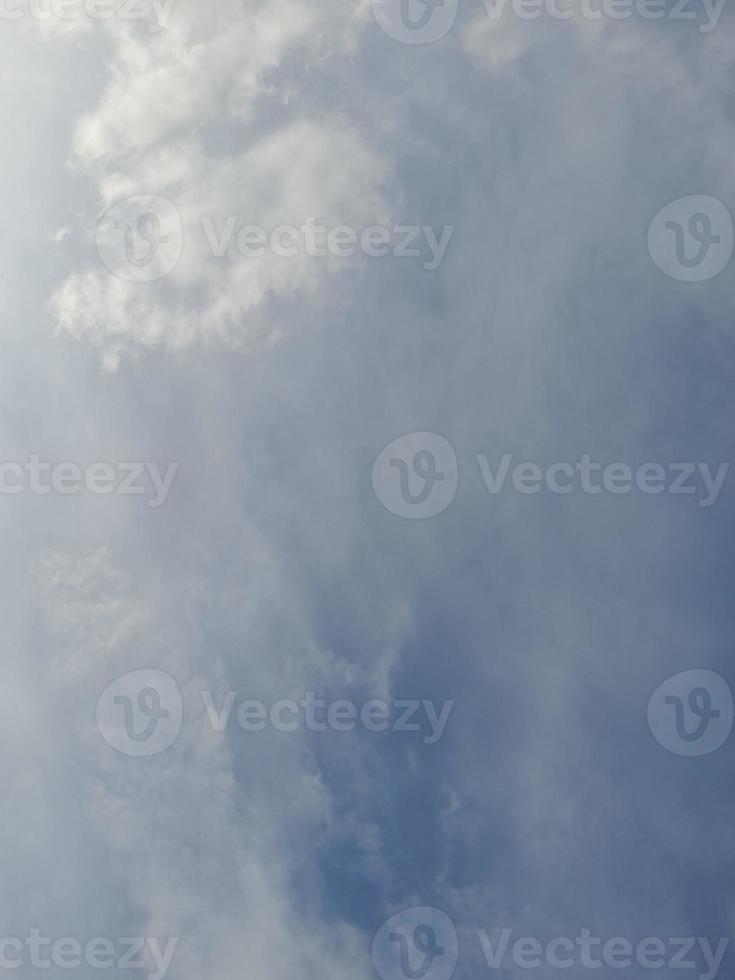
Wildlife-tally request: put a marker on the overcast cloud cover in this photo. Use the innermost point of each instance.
(273, 568)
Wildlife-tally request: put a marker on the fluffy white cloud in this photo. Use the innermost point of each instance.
(286, 177)
(149, 134)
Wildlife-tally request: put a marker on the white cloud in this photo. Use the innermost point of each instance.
(223, 300)
(147, 136)
(203, 856)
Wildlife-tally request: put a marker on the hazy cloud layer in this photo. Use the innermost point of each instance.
(273, 569)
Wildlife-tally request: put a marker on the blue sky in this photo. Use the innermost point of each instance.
(546, 332)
